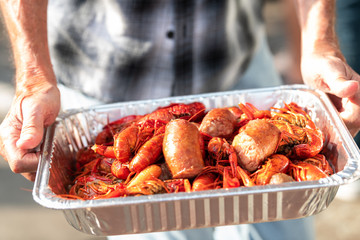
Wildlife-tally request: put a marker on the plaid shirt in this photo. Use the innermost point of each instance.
(117, 50)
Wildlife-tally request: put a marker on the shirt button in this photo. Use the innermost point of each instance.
(170, 34)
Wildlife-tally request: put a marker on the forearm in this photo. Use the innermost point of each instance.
(26, 22)
(317, 23)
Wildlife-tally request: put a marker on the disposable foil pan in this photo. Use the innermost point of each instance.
(76, 129)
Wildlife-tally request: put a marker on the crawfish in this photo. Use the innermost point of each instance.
(133, 137)
(236, 111)
(250, 112)
(293, 114)
(84, 156)
(208, 178)
(320, 161)
(129, 140)
(148, 187)
(276, 163)
(149, 173)
(178, 185)
(300, 137)
(241, 178)
(230, 180)
(312, 147)
(125, 143)
(304, 171)
(103, 150)
(291, 135)
(144, 183)
(173, 111)
(223, 153)
(205, 181)
(101, 166)
(297, 142)
(90, 186)
(148, 153)
(120, 170)
(107, 134)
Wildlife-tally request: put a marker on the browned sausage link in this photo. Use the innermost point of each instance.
(182, 150)
(256, 141)
(218, 122)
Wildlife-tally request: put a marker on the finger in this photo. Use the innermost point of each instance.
(23, 161)
(32, 128)
(350, 113)
(29, 176)
(20, 160)
(342, 87)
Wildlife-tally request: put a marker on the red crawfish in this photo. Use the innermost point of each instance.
(98, 187)
(304, 171)
(306, 138)
(174, 111)
(178, 185)
(276, 163)
(321, 162)
(120, 170)
(100, 166)
(107, 134)
(126, 142)
(208, 178)
(84, 156)
(148, 154)
(89, 186)
(223, 153)
(226, 162)
(250, 112)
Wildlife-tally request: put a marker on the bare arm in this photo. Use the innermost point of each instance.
(26, 24)
(317, 22)
(323, 66)
(37, 99)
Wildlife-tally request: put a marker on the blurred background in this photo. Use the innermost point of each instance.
(22, 218)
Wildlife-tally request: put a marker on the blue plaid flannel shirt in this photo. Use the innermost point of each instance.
(117, 50)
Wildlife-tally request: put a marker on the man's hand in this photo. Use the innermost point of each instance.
(329, 72)
(23, 127)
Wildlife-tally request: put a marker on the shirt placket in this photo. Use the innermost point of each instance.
(183, 57)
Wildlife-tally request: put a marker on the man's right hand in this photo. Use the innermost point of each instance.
(22, 129)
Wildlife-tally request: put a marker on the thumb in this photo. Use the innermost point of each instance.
(343, 88)
(32, 128)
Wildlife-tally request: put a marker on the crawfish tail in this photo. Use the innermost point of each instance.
(125, 143)
(147, 187)
(106, 151)
(148, 154)
(149, 173)
(119, 170)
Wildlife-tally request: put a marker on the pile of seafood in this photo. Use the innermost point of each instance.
(187, 148)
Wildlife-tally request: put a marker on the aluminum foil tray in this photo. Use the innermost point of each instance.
(77, 128)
